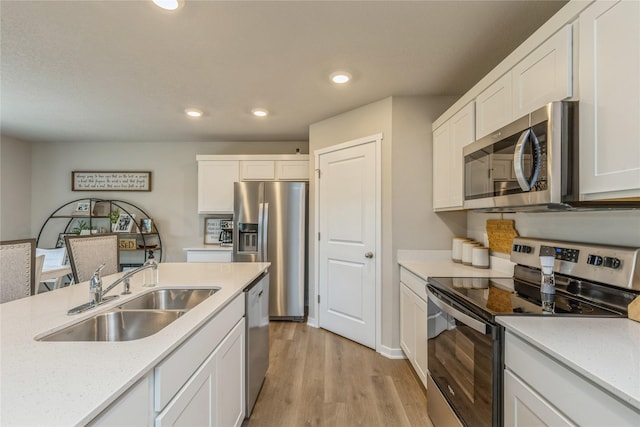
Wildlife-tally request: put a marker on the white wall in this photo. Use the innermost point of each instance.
(15, 189)
(172, 203)
(407, 220)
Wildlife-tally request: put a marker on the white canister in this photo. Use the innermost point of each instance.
(456, 248)
(467, 254)
(480, 257)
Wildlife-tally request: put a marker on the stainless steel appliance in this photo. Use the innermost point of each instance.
(270, 225)
(530, 164)
(465, 346)
(257, 338)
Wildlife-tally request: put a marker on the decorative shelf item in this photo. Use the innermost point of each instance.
(96, 216)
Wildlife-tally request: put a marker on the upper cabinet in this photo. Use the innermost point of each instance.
(215, 185)
(448, 173)
(543, 76)
(217, 173)
(609, 85)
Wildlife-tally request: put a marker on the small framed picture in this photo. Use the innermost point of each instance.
(124, 223)
(83, 208)
(211, 231)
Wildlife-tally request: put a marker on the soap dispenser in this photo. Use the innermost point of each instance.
(151, 272)
(548, 283)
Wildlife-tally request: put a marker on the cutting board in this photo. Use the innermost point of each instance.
(501, 233)
(634, 310)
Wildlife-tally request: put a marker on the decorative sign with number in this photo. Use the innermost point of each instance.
(110, 181)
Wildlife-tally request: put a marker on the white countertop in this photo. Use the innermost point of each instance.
(69, 383)
(604, 350)
(439, 264)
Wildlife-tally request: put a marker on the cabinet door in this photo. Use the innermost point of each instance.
(133, 408)
(494, 106)
(215, 185)
(420, 322)
(257, 170)
(230, 382)
(407, 327)
(525, 408)
(292, 170)
(610, 100)
(545, 75)
(194, 403)
(448, 162)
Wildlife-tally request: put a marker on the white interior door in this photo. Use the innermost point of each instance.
(347, 215)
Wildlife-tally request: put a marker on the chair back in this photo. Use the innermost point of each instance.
(38, 271)
(17, 269)
(87, 253)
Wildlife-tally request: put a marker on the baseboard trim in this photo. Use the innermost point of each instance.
(313, 322)
(391, 353)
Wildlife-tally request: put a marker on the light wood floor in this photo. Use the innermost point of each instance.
(317, 378)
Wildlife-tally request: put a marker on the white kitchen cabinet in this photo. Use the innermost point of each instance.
(292, 170)
(215, 185)
(257, 170)
(214, 395)
(494, 106)
(413, 322)
(540, 390)
(133, 408)
(448, 173)
(209, 255)
(610, 100)
(545, 75)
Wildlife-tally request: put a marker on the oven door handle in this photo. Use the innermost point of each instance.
(474, 324)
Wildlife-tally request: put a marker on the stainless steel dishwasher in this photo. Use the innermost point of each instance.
(257, 336)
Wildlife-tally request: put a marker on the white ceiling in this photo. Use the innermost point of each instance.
(126, 70)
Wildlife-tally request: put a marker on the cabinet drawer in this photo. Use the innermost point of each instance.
(583, 402)
(415, 283)
(175, 370)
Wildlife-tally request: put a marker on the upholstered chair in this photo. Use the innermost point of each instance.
(87, 253)
(17, 269)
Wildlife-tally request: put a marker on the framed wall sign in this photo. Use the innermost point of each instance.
(211, 231)
(110, 181)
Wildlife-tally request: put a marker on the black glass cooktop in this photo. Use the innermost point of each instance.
(506, 296)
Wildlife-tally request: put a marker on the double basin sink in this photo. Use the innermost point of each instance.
(138, 318)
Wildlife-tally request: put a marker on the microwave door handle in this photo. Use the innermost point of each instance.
(474, 324)
(518, 160)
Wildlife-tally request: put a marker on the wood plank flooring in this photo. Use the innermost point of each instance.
(317, 378)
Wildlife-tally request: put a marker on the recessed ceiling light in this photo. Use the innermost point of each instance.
(259, 112)
(340, 77)
(193, 112)
(168, 4)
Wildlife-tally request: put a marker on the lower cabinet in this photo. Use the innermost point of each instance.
(202, 383)
(413, 324)
(214, 395)
(541, 391)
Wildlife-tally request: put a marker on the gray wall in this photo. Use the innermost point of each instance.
(46, 179)
(15, 189)
(407, 220)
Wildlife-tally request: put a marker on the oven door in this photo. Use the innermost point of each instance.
(464, 363)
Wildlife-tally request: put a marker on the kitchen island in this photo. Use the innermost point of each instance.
(72, 383)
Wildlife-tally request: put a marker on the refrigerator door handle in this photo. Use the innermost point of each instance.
(265, 232)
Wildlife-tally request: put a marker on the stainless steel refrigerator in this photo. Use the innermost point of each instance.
(270, 225)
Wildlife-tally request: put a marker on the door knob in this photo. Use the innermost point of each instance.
(369, 255)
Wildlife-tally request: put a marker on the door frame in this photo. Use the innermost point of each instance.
(376, 139)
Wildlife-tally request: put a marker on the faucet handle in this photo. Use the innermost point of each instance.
(99, 269)
(96, 281)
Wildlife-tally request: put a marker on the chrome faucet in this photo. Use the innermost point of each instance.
(96, 293)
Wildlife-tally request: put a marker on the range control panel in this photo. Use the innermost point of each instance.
(614, 265)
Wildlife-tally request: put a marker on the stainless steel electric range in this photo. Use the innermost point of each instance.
(465, 344)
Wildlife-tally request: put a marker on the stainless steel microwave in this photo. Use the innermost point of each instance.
(530, 164)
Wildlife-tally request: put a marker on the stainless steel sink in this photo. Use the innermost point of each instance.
(169, 299)
(119, 325)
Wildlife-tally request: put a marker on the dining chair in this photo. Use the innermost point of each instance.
(17, 269)
(53, 259)
(87, 253)
(39, 264)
